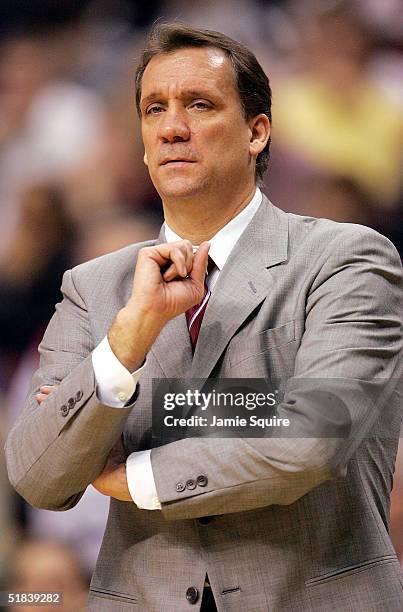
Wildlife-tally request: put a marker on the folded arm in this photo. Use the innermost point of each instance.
(55, 451)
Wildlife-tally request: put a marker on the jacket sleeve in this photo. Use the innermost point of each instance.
(350, 357)
(55, 450)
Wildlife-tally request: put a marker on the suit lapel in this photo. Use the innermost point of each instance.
(243, 284)
(173, 350)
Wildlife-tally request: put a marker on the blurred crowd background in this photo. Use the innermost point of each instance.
(73, 184)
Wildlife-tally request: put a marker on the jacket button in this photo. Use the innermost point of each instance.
(180, 487)
(79, 395)
(71, 402)
(191, 484)
(192, 595)
(64, 410)
(202, 480)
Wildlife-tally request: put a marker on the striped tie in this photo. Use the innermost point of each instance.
(194, 316)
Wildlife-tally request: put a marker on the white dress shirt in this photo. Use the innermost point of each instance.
(116, 385)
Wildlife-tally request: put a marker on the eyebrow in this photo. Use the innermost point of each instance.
(191, 93)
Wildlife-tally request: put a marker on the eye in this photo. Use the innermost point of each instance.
(200, 105)
(153, 109)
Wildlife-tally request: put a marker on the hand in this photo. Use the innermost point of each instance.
(45, 390)
(168, 280)
(113, 480)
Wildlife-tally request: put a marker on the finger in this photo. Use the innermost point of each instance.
(189, 255)
(172, 272)
(46, 389)
(162, 253)
(180, 257)
(40, 397)
(178, 266)
(200, 261)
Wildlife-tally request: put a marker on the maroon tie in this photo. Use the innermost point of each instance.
(194, 316)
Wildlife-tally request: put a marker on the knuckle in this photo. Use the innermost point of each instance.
(180, 252)
(143, 252)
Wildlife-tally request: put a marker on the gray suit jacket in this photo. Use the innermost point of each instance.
(298, 523)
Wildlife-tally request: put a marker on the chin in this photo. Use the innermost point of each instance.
(180, 189)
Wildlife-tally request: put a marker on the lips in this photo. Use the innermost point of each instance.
(175, 160)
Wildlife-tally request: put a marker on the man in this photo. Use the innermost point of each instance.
(270, 523)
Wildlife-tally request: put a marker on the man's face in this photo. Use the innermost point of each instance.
(196, 139)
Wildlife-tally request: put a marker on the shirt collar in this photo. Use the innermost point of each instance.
(222, 243)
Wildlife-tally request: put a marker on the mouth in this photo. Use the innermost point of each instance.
(176, 161)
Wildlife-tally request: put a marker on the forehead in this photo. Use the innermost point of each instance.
(189, 68)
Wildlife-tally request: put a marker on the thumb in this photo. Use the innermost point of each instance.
(200, 261)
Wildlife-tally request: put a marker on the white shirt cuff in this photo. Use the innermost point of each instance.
(140, 480)
(115, 384)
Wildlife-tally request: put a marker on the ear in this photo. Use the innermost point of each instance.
(145, 159)
(259, 133)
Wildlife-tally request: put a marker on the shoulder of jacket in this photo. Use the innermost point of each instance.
(329, 229)
(334, 235)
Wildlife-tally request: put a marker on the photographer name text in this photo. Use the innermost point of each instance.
(200, 421)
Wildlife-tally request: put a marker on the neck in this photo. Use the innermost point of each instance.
(199, 221)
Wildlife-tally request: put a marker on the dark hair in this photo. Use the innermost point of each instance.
(252, 82)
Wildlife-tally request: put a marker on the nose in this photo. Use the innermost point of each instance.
(173, 126)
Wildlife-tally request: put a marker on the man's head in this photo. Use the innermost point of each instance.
(178, 60)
